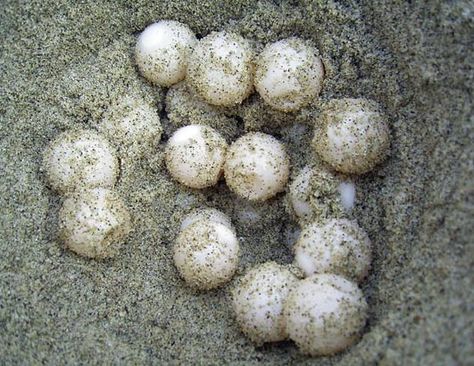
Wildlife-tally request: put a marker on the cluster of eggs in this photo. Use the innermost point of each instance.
(316, 302)
(83, 166)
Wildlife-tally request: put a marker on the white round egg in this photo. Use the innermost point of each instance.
(94, 222)
(353, 135)
(337, 246)
(258, 301)
(162, 51)
(325, 314)
(220, 69)
(257, 166)
(289, 74)
(133, 124)
(195, 156)
(206, 214)
(206, 254)
(80, 159)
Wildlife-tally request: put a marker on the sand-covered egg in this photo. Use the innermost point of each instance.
(221, 69)
(325, 314)
(337, 246)
(289, 74)
(352, 135)
(258, 300)
(133, 124)
(211, 214)
(317, 194)
(257, 166)
(195, 156)
(94, 222)
(206, 254)
(162, 51)
(79, 159)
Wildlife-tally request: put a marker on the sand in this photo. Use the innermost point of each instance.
(64, 63)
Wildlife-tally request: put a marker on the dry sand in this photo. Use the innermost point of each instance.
(63, 63)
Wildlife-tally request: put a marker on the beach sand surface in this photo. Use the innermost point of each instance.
(63, 63)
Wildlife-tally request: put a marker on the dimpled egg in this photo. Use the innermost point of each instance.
(162, 52)
(337, 246)
(352, 135)
(325, 314)
(221, 70)
(195, 156)
(257, 166)
(289, 74)
(258, 302)
(79, 159)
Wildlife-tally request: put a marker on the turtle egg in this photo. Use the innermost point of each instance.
(132, 123)
(353, 135)
(195, 156)
(289, 74)
(94, 222)
(348, 194)
(325, 314)
(162, 51)
(208, 214)
(258, 302)
(206, 254)
(314, 194)
(337, 246)
(257, 166)
(80, 159)
(220, 69)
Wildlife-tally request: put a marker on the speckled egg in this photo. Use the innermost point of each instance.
(94, 222)
(325, 314)
(258, 301)
(352, 135)
(338, 246)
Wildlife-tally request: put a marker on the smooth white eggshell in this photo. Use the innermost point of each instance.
(347, 190)
(94, 222)
(206, 254)
(195, 156)
(162, 51)
(80, 159)
(257, 166)
(337, 246)
(353, 135)
(221, 69)
(289, 74)
(325, 314)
